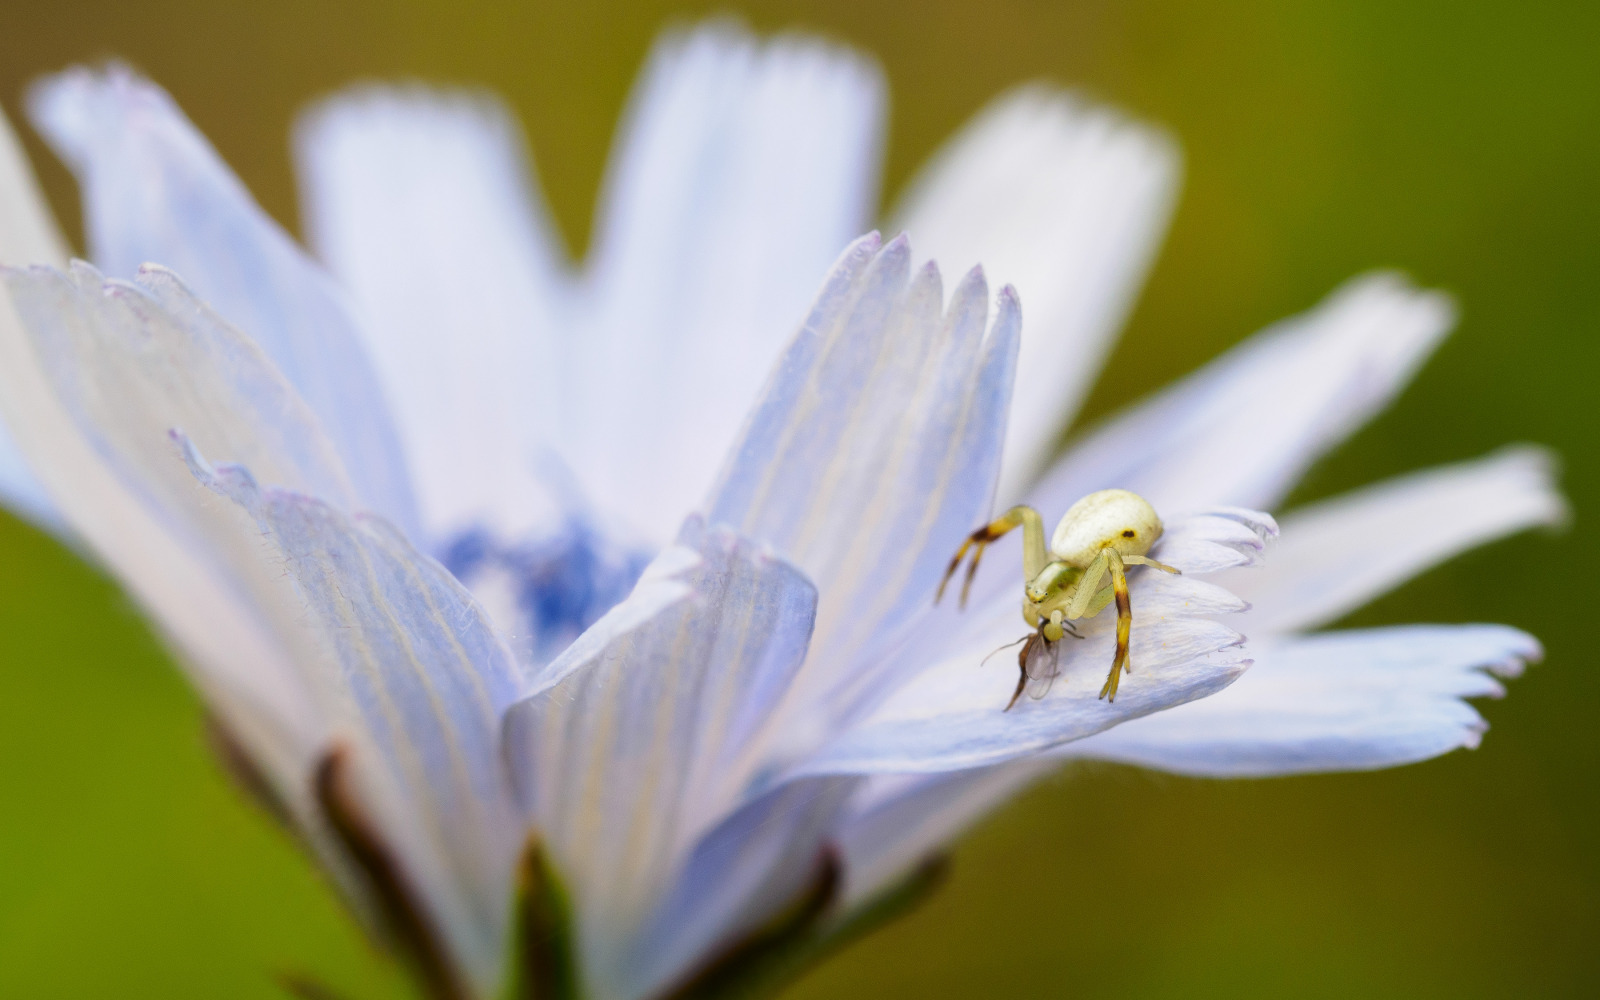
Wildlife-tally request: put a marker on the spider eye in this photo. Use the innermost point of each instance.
(1128, 533)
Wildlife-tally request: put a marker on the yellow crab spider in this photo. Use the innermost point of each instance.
(1099, 535)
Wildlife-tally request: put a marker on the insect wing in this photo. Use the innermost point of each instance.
(1043, 666)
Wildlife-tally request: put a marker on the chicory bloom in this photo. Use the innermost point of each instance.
(579, 615)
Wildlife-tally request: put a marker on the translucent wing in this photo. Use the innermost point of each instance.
(1041, 663)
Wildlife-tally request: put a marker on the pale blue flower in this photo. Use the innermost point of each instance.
(471, 548)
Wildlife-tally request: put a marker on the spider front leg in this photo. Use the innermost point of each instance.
(1034, 554)
(1090, 598)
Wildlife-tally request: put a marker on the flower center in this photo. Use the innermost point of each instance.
(543, 592)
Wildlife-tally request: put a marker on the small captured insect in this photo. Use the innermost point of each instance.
(1101, 534)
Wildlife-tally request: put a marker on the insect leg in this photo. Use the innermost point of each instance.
(1119, 585)
(1022, 668)
(1000, 649)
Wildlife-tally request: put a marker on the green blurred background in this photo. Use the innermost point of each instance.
(1459, 142)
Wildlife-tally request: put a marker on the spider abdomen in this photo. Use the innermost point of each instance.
(1116, 519)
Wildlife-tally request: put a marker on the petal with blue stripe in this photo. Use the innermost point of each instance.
(155, 191)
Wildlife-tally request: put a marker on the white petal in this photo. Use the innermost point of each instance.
(423, 204)
(1219, 540)
(133, 361)
(286, 664)
(1067, 202)
(950, 714)
(155, 191)
(124, 364)
(894, 822)
(742, 874)
(28, 235)
(22, 493)
(130, 363)
(1340, 701)
(419, 681)
(1337, 555)
(638, 743)
(1337, 702)
(96, 370)
(1244, 429)
(741, 170)
(300, 626)
(872, 452)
